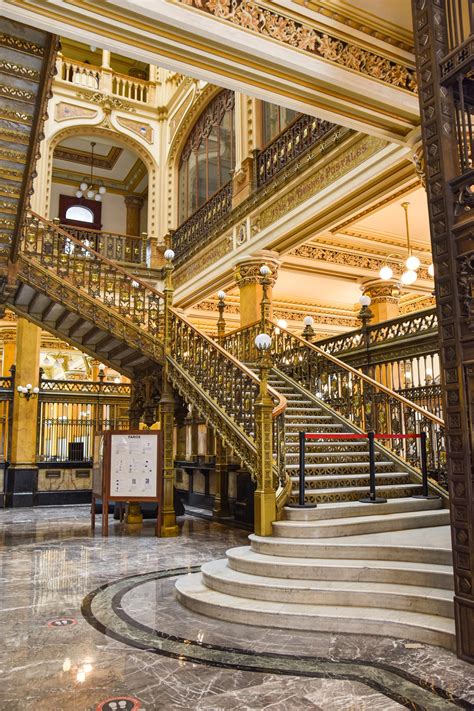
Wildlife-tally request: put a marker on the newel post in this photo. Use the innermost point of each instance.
(166, 410)
(265, 494)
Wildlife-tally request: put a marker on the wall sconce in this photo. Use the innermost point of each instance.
(27, 391)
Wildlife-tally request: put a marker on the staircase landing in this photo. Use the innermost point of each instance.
(339, 568)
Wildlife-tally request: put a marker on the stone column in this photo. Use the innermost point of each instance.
(247, 275)
(134, 204)
(385, 296)
(22, 474)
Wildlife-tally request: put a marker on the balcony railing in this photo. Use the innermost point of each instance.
(302, 134)
(104, 79)
(282, 153)
(191, 235)
(113, 245)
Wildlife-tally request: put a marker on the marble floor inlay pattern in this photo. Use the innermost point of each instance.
(86, 620)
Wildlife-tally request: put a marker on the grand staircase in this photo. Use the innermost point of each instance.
(341, 566)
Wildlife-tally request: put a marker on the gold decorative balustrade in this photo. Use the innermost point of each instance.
(69, 259)
(402, 353)
(362, 401)
(224, 385)
(104, 79)
(113, 245)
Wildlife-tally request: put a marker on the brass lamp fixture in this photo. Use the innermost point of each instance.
(28, 391)
(412, 262)
(89, 189)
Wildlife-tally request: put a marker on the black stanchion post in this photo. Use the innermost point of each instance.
(372, 498)
(424, 469)
(302, 483)
(302, 467)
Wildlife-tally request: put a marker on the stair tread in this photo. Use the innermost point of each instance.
(347, 521)
(247, 553)
(359, 489)
(222, 568)
(193, 584)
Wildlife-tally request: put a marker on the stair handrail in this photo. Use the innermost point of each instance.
(380, 386)
(120, 291)
(362, 400)
(246, 387)
(96, 254)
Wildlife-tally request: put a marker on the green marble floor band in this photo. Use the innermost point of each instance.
(103, 610)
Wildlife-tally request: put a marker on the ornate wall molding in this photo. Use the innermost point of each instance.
(64, 111)
(256, 17)
(334, 169)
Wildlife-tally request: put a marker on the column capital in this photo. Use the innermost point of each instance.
(247, 268)
(134, 200)
(382, 291)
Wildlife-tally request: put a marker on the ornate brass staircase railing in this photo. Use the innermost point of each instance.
(225, 385)
(365, 403)
(66, 257)
(209, 378)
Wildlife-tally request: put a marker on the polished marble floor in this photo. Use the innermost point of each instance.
(91, 623)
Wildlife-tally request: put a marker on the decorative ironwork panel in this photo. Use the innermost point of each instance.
(302, 134)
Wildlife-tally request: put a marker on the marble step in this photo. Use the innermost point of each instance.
(355, 508)
(323, 482)
(324, 466)
(362, 570)
(321, 426)
(429, 629)
(361, 525)
(354, 493)
(356, 547)
(218, 576)
(333, 455)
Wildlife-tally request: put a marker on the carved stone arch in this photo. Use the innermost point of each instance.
(200, 103)
(122, 138)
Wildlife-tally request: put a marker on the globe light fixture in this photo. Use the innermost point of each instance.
(265, 270)
(263, 342)
(431, 270)
(308, 321)
(409, 277)
(88, 188)
(169, 255)
(412, 263)
(386, 273)
(365, 300)
(282, 323)
(221, 295)
(27, 391)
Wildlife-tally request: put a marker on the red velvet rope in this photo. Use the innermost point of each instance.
(360, 436)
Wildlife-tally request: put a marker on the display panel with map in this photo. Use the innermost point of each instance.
(128, 467)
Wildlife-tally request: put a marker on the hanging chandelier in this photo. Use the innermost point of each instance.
(412, 262)
(87, 188)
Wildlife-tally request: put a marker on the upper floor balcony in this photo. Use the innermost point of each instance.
(103, 78)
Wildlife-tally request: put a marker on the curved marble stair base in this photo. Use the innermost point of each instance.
(425, 628)
(340, 567)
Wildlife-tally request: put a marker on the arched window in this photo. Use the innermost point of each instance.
(79, 213)
(208, 158)
(275, 120)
